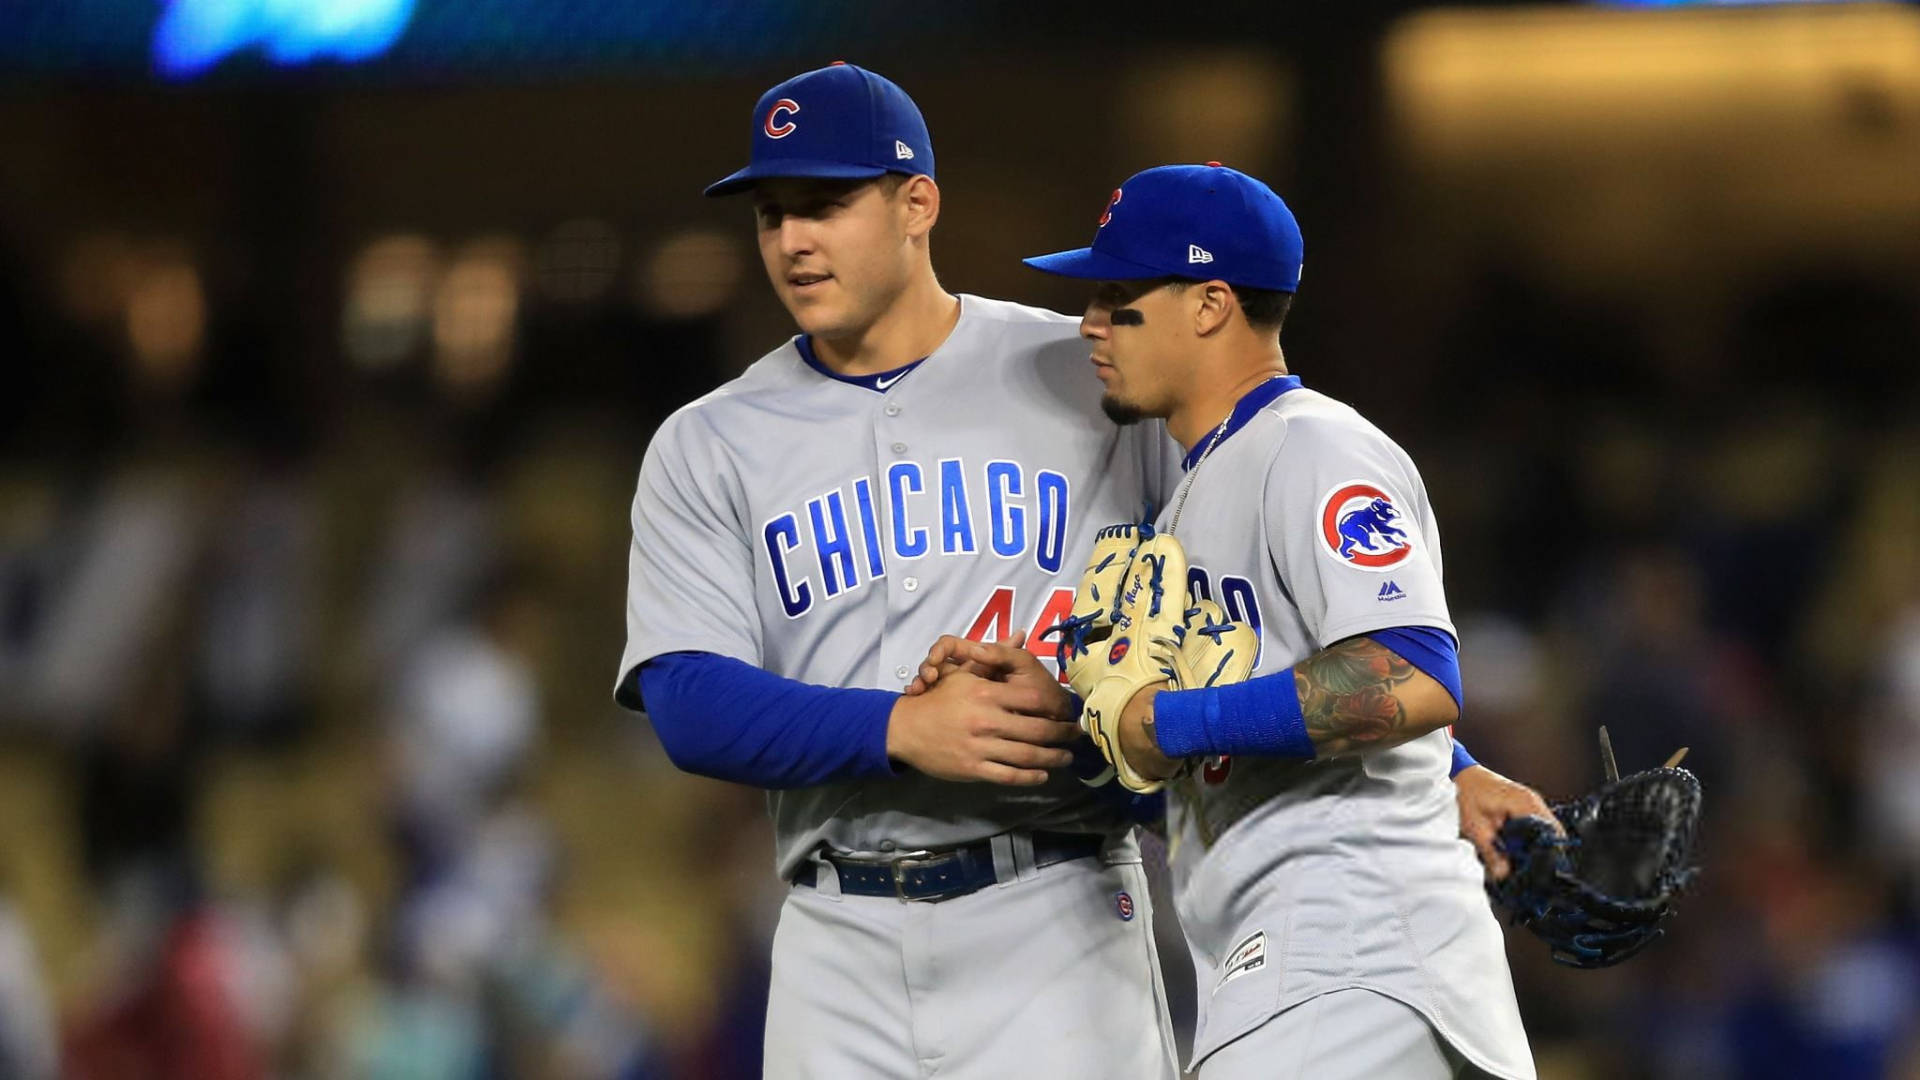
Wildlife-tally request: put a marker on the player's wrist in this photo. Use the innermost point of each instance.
(1137, 739)
(901, 744)
(1260, 717)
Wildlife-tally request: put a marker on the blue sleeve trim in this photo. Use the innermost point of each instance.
(1260, 716)
(727, 719)
(1462, 761)
(1432, 651)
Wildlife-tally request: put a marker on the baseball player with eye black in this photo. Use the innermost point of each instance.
(912, 464)
(1338, 927)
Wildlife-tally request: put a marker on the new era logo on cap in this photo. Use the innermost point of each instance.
(901, 151)
(1198, 254)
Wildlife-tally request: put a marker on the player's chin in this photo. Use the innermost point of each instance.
(1121, 411)
(818, 317)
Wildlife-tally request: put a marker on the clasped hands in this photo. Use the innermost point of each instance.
(984, 711)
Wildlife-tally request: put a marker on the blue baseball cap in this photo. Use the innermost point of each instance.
(839, 122)
(1204, 222)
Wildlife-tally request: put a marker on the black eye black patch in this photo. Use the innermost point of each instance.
(1127, 316)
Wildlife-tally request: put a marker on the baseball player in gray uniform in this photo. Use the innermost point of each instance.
(913, 464)
(1338, 926)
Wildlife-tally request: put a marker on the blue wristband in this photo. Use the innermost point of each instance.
(1260, 716)
(1462, 761)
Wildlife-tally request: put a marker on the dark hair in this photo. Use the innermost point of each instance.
(1265, 309)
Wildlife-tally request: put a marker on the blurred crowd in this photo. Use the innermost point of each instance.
(309, 764)
(308, 759)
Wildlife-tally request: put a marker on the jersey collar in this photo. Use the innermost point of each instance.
(1251, 402)
(879, 382)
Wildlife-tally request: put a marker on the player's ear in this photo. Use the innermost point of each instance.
(1214, 305)
(920, 204)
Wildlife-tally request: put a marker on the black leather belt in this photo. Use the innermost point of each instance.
(942, 875)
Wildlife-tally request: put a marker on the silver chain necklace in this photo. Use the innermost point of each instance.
(1187, 484)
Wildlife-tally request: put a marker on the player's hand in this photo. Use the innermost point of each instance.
(1487, 800)
(971, 729)
(1007, 660)
(1142, 752)
(948, 654)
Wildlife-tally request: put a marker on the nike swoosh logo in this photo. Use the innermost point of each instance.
(882, 384)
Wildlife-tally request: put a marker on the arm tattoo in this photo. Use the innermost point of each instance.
(1348, 696)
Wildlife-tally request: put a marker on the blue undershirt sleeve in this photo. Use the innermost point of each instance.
(1432, 651)
(721, 717)
(1462, 761)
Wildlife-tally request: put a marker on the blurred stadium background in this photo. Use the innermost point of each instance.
(339, 327)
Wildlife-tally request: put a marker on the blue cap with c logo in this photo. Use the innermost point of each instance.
(837, 122)
(1205, 222)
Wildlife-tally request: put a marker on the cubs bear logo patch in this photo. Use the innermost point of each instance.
(1360, 525)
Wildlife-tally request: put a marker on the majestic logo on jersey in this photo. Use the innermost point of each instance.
(777, 128)
(1123, 905)
(1357, 527)
(1107, 214)
(858, 530)
(1391, 591)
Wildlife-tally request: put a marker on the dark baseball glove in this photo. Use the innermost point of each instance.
(1599, 894)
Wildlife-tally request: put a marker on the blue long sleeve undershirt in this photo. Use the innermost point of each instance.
(724, 718)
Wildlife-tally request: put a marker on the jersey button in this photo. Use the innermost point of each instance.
(888, 845)
(899, 448)
(893, 410)
(910, 584)
(901, 673)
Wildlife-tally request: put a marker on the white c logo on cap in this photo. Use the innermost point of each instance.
(785, 128)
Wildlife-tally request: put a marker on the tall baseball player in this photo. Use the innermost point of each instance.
(912, 464)
(1337, 926)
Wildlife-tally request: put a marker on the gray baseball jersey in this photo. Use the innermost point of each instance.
(1297, 878)
(830, 533)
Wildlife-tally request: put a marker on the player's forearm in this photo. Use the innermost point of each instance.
(724, 718)
(1355, 696)
(1359, 695)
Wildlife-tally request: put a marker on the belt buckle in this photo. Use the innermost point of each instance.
(901, 865)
